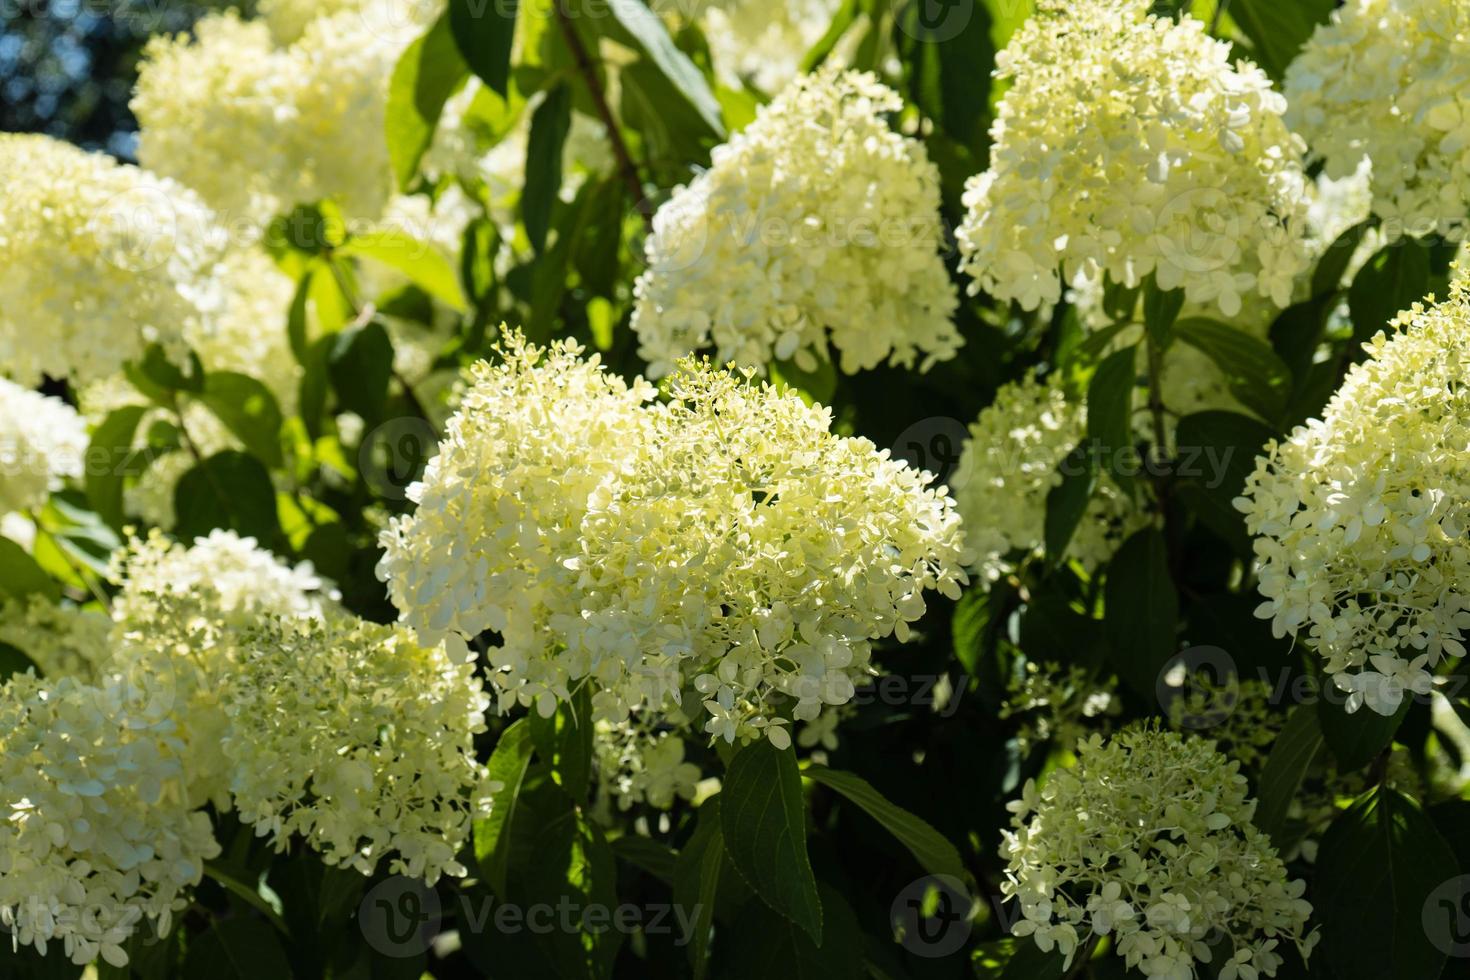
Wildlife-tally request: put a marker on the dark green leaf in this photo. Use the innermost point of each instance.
(229, 490)
(1327, 277)
(697, 880)
(1355, 739)
(428, 72)
(360, 365)
(484, 31)
(1214, 453)
(107, 458)
(1291, 756)
(13, 661)
(1258, 379)
(1396, 277)
(239, 948)
(659, 860)
(1160, 311)
(972, 629)
(249, 410)
(507, 766)
(1109, 415)
(763, 816)
(947, 56)
(1278, 30)
(1142, 610)
(761, 945)
(1377, 871)
(1067, 501)
(550, 124)
(934, 853)
(564, 742)
(1016, 959)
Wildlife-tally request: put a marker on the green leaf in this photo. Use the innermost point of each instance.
(429, 71)
(423, 264)
(1160, 311)
(934, 853)
(763, 816)
(659, 860)
(507, 766)
(1377, 869)
(761, 945)
(816, 387)
(564, 742)
(550, 124)
(844, 18)
(1327, 277)
(947, 64)
(484, 31)
(21, 576)
(1215, 452)
(572, 865)
(238, 948)
(1395, 278)
(229, 490)
(1109, 414)
(248, 409)
(107, 458)
(649, 36)
(1278, 30)
(1291, 756)
(360, 365)
(14, 661)
(1067, 501)
(697, 878)
(971, 628)
(1142, 610)
(1355, 739)
(1016, 959)
(1257, 377)
(156, 376)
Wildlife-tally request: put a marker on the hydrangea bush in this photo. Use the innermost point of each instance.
(714, 490)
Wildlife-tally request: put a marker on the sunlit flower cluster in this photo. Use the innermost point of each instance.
(100, 258)
(1360, 515)
(1385, 79)
(1012, 460)
(1149, 840)
(1131, 144)
(98, 837)
(817, 225)
(248, 334)
(257, 127)
(358, 739)
(61, 640)
(43, 442)
(724, 540)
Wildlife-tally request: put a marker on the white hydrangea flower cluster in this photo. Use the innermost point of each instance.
(652, 547)
(763, 43)
(360, 740)
(1360, 515)
(43, 442)
(62, 640)
(289, 19)
(1008, 466)
(1149, 840)
(256, 127)
(100, 258)
(1129, 144)
(98, 836)
(816, 224)
(1385, 80)
(1059, 705)
(248, 335)
(637, 765)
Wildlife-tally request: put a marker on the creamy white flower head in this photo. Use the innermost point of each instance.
(288, 19)
(651, 547)
(637, 765)
(1130, 144)
(257, 128)
(1385, 80)
(62, 640)
(358, 739)
(1008, 466)
(43, 442)
(763, 42)
(100, 258)
(248, 336)
(98, 838)
(1360, 516)
(816, 227)
(1087, 857)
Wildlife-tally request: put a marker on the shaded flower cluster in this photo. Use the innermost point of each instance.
(816, 227)
(1129, 144)
(1149, 840)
